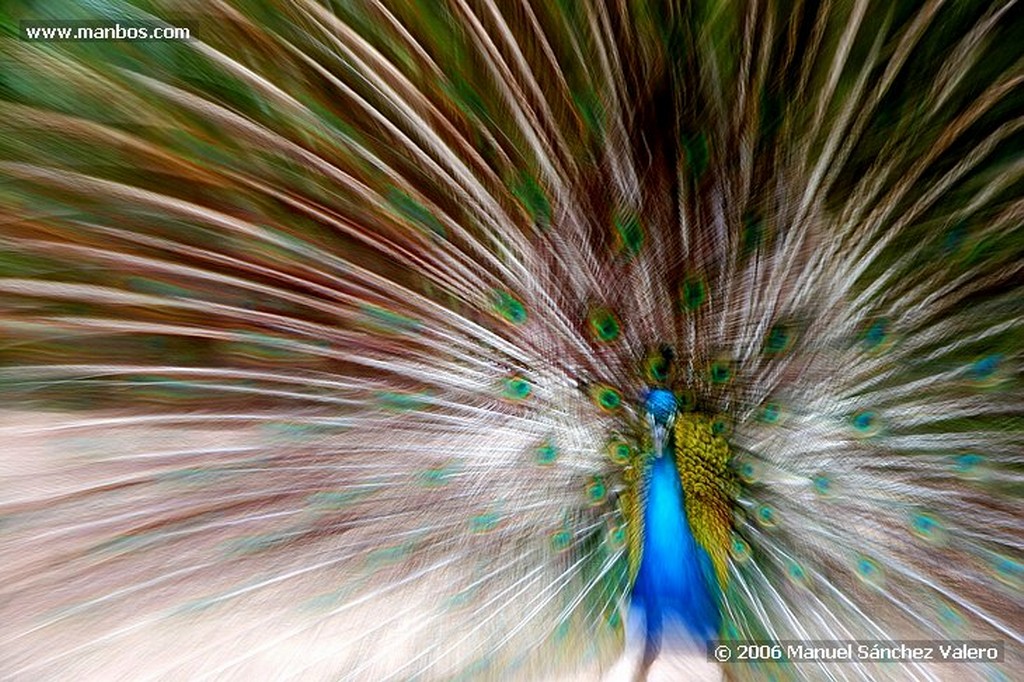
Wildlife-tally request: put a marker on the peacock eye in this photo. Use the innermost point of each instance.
(546, 454)
(869, 571)
(865, 422)
(616, 535)
(604, 325)
(1008, 571)
(985, 369)
(561, 540)
(721, 426)
(770, 413)
(596, 490)
(967, 464)
(656, 370)
(739, 550)
(607, 398)
(767, 516)
(510, 308)
(692, 293)
(630, 233)
(619, 451)
(780, 338)
(876, 334)
(517, 388)
(796, 572)
(720, 372)
(928, 527)
(749, 472)
(686, 401)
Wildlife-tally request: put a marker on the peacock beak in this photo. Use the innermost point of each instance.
(659, 434)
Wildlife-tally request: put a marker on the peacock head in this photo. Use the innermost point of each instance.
(660, 408)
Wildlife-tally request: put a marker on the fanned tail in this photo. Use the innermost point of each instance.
(324, 332)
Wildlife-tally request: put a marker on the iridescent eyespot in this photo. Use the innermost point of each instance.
(770, 413)
(869, 571)
(630, 233)
(780, 338)
(866, 422)
(686, 401)
(739, 550)
(509, 307)
(796, 573)
(517, 388)
(619, 451)
(950, 618)
(753, 232)
(969, 465)
(721, 426)
(531, 195)
(604, 325)
(607, 398)
(616, 535)
(438, 476)
(485, 522)
(720, 372)
(766, 516)
(656, 369)
(596, 490)
(561, 540)
(1008, 571)
(749, 472)
(875, 336)
(986, 370)
(546, 454)
(692, 293)
(928, 527)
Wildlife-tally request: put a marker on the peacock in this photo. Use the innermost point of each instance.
(510, 339)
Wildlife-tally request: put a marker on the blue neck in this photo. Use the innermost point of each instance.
(675, 584)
